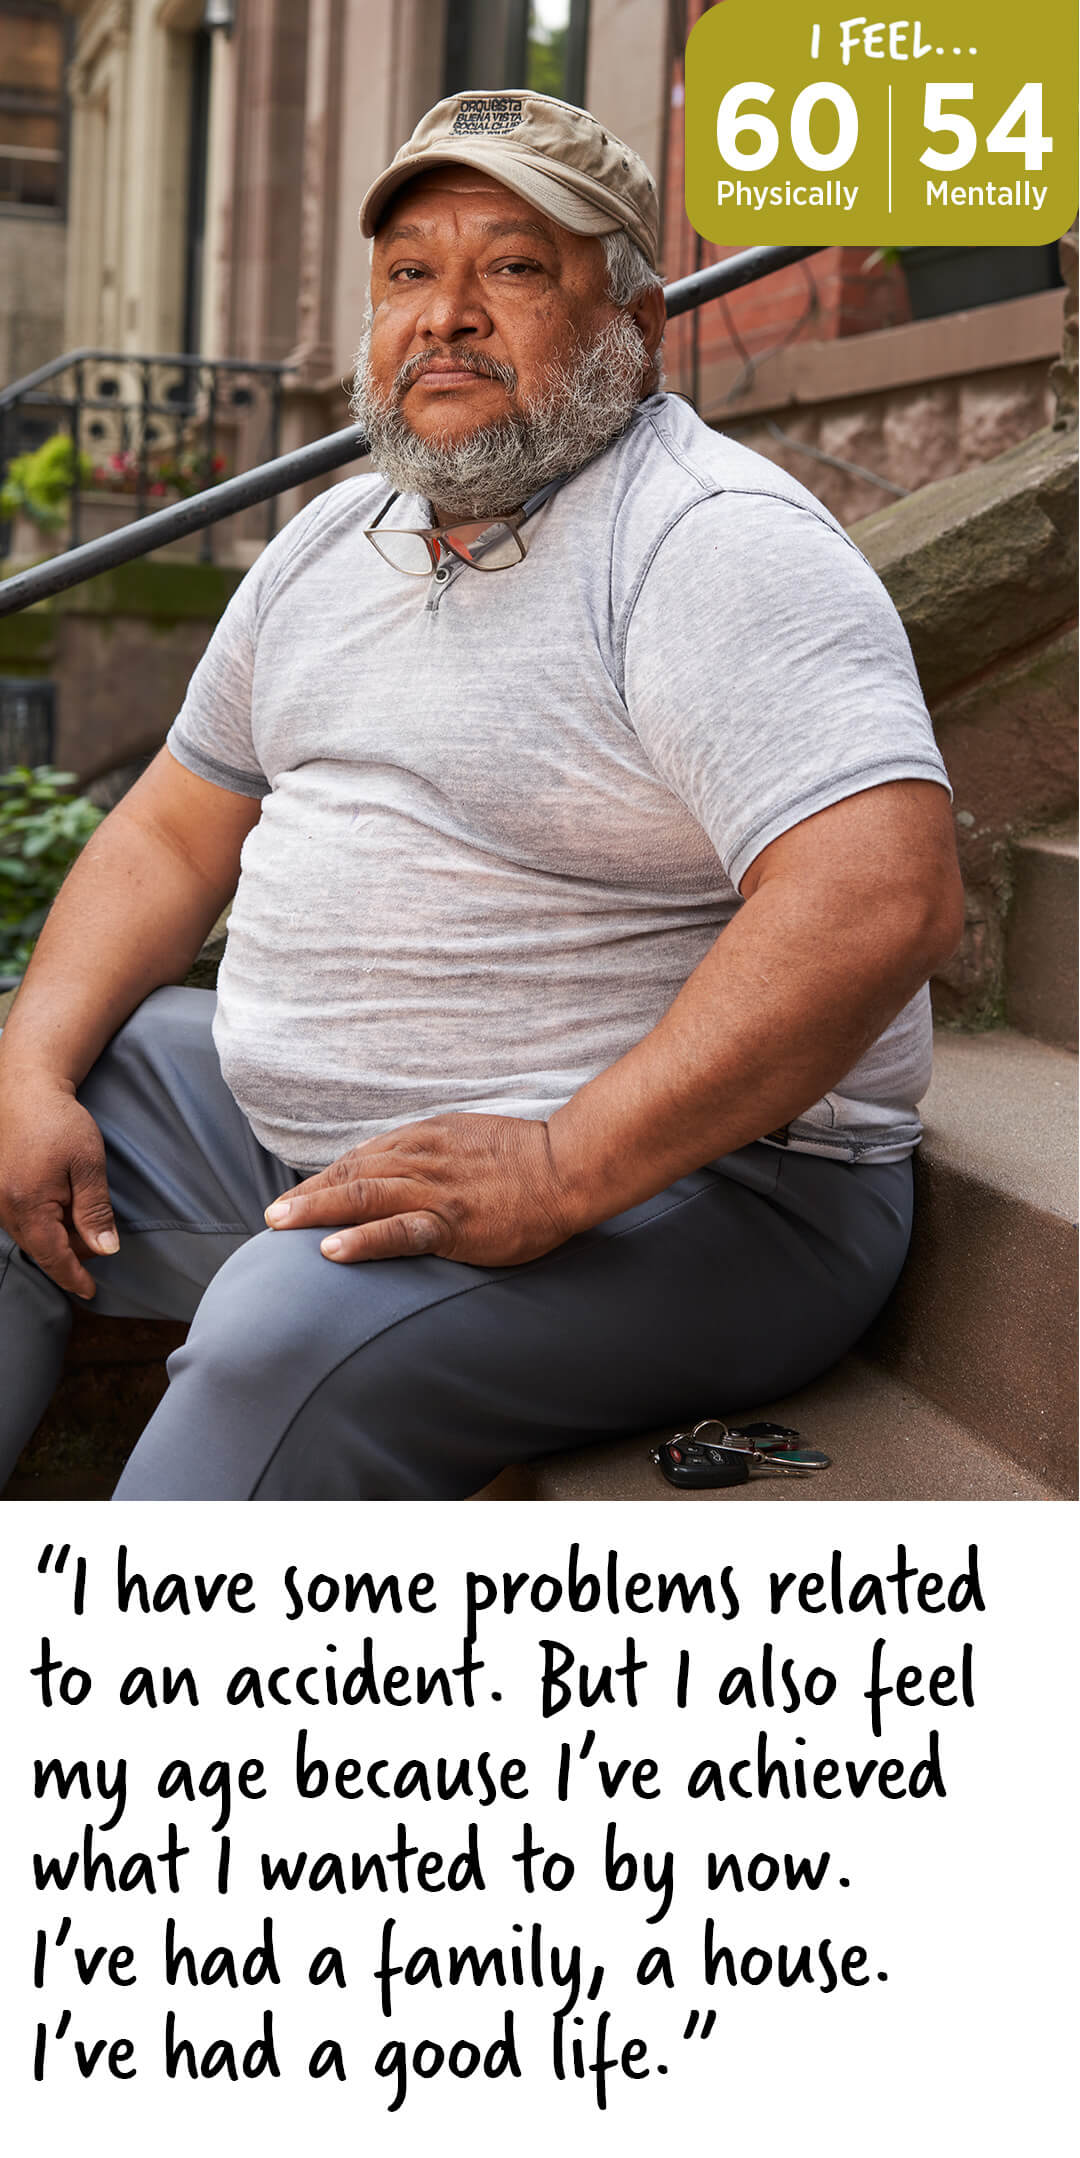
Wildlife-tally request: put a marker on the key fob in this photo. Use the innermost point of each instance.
(701, 1468)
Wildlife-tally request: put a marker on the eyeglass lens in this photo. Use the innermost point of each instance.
(497, 547)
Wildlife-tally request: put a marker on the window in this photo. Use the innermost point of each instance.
(27, 721)
(507, 44)
(33, 51)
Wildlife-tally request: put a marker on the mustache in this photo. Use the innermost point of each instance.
(580, 403)
(463, 356)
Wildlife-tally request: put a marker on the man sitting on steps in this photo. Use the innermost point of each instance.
(594, 852)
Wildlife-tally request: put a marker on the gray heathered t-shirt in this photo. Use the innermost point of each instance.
(504, 818)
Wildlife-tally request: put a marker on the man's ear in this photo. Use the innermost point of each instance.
(650, 314)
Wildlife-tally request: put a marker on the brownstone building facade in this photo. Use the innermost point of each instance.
(206, 159)
(220, 148)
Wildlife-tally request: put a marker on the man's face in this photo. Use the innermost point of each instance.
(465, 271)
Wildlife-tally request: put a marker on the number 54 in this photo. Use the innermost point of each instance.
(1026, 107)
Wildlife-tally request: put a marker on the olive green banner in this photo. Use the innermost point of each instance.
(956, 128)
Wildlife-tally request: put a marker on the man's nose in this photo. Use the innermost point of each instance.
(454, 307)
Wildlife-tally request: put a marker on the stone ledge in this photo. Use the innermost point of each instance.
(908, 355)
(983, 563)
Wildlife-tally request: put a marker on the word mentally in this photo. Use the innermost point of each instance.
(991, 195)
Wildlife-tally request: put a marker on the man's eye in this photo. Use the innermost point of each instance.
(513, 266)
(406, 269)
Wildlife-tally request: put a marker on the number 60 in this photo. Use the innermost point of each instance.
(731, 122)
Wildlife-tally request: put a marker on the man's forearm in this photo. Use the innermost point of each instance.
(780, 1008)
(131, 915)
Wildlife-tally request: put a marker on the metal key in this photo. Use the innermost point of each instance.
(738, 1453)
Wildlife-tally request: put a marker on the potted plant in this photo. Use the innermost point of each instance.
(38, 487)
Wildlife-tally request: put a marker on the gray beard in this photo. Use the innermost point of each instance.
(582, 407)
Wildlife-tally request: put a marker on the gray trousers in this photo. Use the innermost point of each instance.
(420, 1378)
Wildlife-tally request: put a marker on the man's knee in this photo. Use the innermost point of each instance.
(345, 1380)
(279, 1308)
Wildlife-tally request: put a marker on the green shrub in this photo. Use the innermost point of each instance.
(40, 483)
(42, 829)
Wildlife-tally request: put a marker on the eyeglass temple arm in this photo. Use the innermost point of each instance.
(387, 505)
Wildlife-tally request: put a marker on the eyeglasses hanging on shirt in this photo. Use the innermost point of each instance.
(420, 552)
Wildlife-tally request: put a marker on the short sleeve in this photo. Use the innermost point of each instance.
(767, 673)
(212, 732)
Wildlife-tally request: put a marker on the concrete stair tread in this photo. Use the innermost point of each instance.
(886, 1442)
(1002, 1110)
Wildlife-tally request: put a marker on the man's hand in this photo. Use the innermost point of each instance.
(54, 1197)
(479, 1188)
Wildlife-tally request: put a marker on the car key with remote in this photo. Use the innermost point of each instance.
(714, 1456)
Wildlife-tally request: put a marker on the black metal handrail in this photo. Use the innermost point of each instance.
(147, 422)
(315, 458)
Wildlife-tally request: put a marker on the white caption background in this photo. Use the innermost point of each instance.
(610, 2028)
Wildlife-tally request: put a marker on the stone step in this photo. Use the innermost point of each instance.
(885, 1441)
(1041, 937)
(983, 1321)
(114, 1376)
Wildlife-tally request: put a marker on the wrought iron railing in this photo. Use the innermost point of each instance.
(145, 426)
(267, 481)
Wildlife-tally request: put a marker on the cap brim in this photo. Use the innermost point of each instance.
(563, 204)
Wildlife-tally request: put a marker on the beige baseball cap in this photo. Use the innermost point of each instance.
(554, 155)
